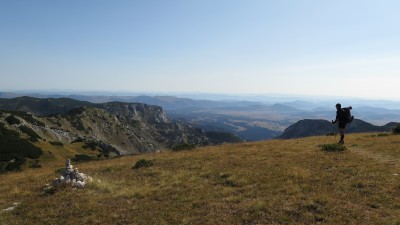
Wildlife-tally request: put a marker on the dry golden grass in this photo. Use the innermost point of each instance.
(271, 182)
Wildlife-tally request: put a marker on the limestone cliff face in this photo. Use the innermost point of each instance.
(122, 128)
(133, 112)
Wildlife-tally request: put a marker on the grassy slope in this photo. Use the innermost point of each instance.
(55, 156)
(272, 182)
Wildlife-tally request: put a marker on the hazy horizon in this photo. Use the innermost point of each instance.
(261, 97)
(341, 49)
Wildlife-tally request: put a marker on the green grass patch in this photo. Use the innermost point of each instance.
(380, 135)
(56, 143)
(184, 146)
(143, 163)
(82, 158)
(333, 147)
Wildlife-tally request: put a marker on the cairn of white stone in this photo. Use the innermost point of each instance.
(71, 177)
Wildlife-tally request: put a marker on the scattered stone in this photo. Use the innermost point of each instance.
(9, 209)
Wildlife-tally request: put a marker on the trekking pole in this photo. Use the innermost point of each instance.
(333, 132)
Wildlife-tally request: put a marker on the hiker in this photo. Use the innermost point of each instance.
(343, 116)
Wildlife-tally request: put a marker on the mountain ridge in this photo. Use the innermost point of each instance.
(114, 128)
(312, 127)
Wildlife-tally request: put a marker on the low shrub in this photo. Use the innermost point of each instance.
(28, 117)
(12, 120)
(332, 147)
(142, 163)
(90, 144)
(396, 130)
(380, 135)
(56, 143)
(59, 170)
(34, 136)
(82, 158)
(35, 164)
(14, 150)
(77, 124)
(184, 146)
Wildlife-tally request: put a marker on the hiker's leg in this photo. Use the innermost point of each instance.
(341, 134)
(341, 131)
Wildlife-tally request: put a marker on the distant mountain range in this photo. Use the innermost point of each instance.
(249, 120)
(126, 128)
(307, 127)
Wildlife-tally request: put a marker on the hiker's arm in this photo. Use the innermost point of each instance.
(337, 118)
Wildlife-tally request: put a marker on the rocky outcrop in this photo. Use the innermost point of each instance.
(114, 128)
(133, 112)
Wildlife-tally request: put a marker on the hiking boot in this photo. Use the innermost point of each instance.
(341, 142)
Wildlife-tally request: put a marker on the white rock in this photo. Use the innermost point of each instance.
(68, 180)
(80, 184)
(12, 207)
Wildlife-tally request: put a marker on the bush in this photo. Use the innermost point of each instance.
(59, 170)
(184, 146)
(82, 158)
(396, 130)
(28, 117)
(34, 136)
(12, 120)
(142, 163)
(73, 116)
(35, 164)
(380, 135)
(56, 143)
(14, 150)
(332, 147)
(90, 144)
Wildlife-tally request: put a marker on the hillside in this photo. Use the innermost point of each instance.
(270, 182)
(110, 129)
(42, 106)
(309, 127)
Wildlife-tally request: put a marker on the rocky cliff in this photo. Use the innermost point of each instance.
(110, 128)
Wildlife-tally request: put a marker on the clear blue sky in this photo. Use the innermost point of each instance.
(333, 48)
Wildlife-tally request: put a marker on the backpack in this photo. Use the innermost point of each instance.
(348, 118)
